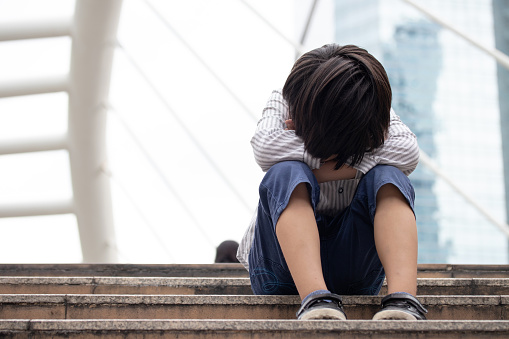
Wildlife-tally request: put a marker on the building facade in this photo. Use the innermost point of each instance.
(445, 90)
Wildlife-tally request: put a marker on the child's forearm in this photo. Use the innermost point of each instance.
(272, 143)
(399, 150)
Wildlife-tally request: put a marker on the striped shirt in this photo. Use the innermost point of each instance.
(272, 144)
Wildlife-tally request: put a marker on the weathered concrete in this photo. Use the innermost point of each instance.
(42, 306)
(253, 329)
(19, 306)
(220, 270)
(123, 285)
(462, 271)
(47, 285)
(217, 286)
(124, 270)
(460, 286)
(201, 301)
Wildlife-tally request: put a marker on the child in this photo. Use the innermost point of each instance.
(336, 207)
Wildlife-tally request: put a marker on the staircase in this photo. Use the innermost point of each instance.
(215, 301)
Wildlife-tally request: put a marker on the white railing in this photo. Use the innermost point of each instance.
(35, 30)
(29, 145)
(34, 86)
(37, 208)
(94, 40)
(93, 31)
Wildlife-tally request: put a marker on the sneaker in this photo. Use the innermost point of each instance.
(401, 306)
(322, 306)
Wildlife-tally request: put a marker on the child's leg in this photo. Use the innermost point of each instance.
(285, 252)
(288, 193)
(396, 239)
(378, 227)
(396, 244)
(298, 237)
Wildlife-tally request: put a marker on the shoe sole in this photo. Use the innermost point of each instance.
(393, 315)
(323, 313)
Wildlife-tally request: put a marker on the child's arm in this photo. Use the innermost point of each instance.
(400, 149)
(272, 142)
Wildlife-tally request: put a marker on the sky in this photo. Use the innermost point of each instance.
(183, 178)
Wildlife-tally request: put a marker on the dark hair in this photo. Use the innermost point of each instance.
(339, 99)
(226, 252)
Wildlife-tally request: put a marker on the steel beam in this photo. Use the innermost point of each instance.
(93, 44)
(28, 145)
(37, 208)
(16, 88)
(34, 30)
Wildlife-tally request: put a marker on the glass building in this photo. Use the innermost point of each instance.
(413, 62)
(446, 91)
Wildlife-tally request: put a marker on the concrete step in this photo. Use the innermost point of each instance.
(191, 329)
(125, 285)
(91, 306)
(214, 301)
(218, 286)
(124, 270)
(220, 270)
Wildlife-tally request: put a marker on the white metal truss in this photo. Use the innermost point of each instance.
(94, 40)
(93, 31)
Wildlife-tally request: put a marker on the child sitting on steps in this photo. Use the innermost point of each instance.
(335, 215)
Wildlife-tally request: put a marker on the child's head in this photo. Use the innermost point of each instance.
(339, 99)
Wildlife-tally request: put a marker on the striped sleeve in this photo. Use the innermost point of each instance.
(399, 150)
(272, 143)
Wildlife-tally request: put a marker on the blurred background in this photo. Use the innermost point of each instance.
(171, 172)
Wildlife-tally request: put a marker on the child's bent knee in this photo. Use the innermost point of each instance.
(282, 178)
(390, 191)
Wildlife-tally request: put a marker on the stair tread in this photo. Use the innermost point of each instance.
(237, 299)
(252, 324)
(92, 306)
(149, 300)
(215, 286)
(206, 281)
(214, 270)
(175, 328)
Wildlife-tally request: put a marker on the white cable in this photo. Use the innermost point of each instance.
(502, 58)
(239, 101)
(299, 48)
(308, 22)
(184, 128)
(161, 175)
(154, 232)
(428, 162)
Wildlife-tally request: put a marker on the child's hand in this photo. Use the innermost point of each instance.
(289, 125)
